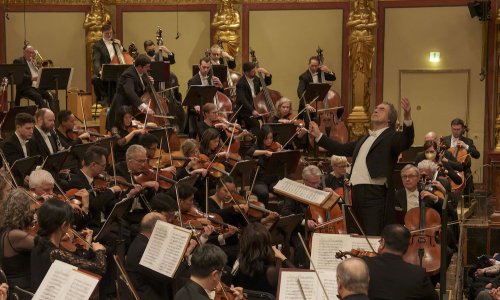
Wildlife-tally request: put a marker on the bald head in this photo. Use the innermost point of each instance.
(29, 52)
(430, 136)
(352, 277)
(149, 221)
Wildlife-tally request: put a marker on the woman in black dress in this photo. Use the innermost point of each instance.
(126, 133)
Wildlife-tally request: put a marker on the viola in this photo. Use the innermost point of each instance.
(215, 169)
(223, 292)
(274, 147)
(355, 253)
(164, 178)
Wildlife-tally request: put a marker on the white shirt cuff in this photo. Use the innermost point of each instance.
(319, 137)
(221, 240)
(143, 107)
(408, 122)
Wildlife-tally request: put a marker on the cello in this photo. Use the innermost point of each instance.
(265, 101)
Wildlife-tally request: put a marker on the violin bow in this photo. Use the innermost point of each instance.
(113, 160)
(83, 114)
(313, 266)
(75, 233)
(206, 196)
(61, 191)
(178, 204)
(253, 183)
(9, 171)
(159, 157)
(234, 201)
(168, 147)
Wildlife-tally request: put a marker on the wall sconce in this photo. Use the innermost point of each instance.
(435, 57)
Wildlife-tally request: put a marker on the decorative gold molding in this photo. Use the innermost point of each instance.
(152, 2)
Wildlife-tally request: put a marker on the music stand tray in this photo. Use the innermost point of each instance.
(199, 95)
(285, 161)
(113, 72)
(54, 162)
(117, 212)
(283, 228)
(23, 167)
(282, 132)
(160, 71)
(314, 90)
(77, 152)
(14, 72)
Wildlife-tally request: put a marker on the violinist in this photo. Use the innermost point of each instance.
(131, 86)
(217, 55)
(210, 144)
(207, 264)
(19, 144)
(312, 75)
(66, 121)
(262, 150)
(150, 142)
(127, 134)
(221, 203)
(204, 78)
(55, 220)
(191, 150)
(337, 177)
(100, 201)
(285, 116)
(150, 49)
(247, 87)
(393, 278)
(16, 240)
(44, 137)
(211, 119)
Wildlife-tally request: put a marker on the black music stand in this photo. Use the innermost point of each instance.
(314, 90)
(23, 167)
(76, 153)
(282, 132)
(55, 79)
(54, 162)
(199, 95)
(220, 71)
(15, 74)
(242, 172)
(160, 71)
(283, 163)
(189, 180)
(8, 124)
(160, 134)
(110, 74)
(282, 230)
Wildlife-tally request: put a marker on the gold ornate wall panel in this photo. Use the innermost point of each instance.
(155, 2)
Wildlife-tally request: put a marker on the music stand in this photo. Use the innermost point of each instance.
(76, 153)
(199, 95)
(314, 90)
(15, 74)
(285, 162)
(111, 74)
(282, 132)
(23, 167)
(105, 142)
(220, 71)
(160, 133)
(54, 162)
(282, 230)
(55, 79)
(160, 71)
(8, 124)
(189, 180)
(243, 171)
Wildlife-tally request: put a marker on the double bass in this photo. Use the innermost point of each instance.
(265, 101)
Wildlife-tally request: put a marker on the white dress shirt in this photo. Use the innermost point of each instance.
(23, 143)
(314, 77)
(204, 80)
(46, 139)
(109, 46)
(411, 199)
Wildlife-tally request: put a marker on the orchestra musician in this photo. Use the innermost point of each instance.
(374, 157)
(313, 74)
(126, 133)
(221, 204)
(258, 267)
(207, 264)
(103, 52)
(190, 149)
(19, 144)
(16, 238)
(284, 115)
(150, 49)
(210, 144)
(204, 77)
(5, 187)
(131, 85)
(55, 220)
(211, 119)
(336, 178)
(353, 279)
(217, 55)
(44, 137)
(66, 121)
(247, 87)
(404, 280)
(446, 160)
(28, 87)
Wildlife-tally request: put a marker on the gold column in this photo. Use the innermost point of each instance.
(362, 23)
(497, 121)
(94, 20)
(227, 23)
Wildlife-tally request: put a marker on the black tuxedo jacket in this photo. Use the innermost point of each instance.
(100, 56)
(148, 283)
(383, 154)
(101, 201)
(13, 151)
(26, 76)
(393, 278)
(191, 291)
(196, 80)
(244, 94)
(472, 149)
(304, 80)
(128, 92)
(40, 145)
(401, 201)
(170, 58)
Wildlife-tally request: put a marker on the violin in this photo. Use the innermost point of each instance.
(178, 159)
(211, 219)
(75, 133)
(215, 169)
(355, 253)
(73, 241)
(164, 178)
(223, 292)
(274, 147)
(256, 209)
(104, 181)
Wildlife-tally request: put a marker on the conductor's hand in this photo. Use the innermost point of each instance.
(405, 104)
(314, 129)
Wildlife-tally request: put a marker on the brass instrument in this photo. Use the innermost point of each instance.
(42, 63)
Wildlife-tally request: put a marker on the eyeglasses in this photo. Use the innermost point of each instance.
(141, 161)
(408, 176)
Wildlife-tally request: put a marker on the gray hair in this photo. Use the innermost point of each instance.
(148, 222)
(409, 167)
(428, 165)
(311, 170)
(392, 115)
(133, 150)
(353, 275)
(39, 177)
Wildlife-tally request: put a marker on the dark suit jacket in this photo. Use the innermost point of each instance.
(392, 278)
(231, 64)
(191, 291)
(148, 283)
(100, 56)
(26, 76)
(128, 92)
(357, 297)
(244, 94)
(472, 149)
(40, 145)
(13, 151)
(304, 80)
(196, 80)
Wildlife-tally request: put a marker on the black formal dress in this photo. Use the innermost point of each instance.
(128, 92)
(16, 267)
(304, 80)
(393, 278)
(244, 98)
(27, 90)
(372, 203)
(191, 291)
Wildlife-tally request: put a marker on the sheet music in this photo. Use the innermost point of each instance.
(165, 248)
(302, 192)
(359, 242)
(309, 287)
(64, 281)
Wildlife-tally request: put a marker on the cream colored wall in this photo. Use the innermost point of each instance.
(284, 40)
(188, 49)
(410, 34)
(56, 35)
